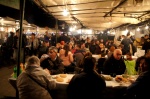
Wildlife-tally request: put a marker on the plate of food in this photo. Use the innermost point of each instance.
(107, 77)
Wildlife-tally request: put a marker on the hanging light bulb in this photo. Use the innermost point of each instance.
(146, 27)
(65, 12)
(138, 29)
(127, 31)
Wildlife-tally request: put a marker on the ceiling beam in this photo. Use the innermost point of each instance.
(78, 21)
(148, 12)
(81, 3)
(121, 3)
(81, 10)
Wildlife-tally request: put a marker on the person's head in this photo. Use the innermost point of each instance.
(62, 42)
(11, 33)
(17, 32)
(33, 35)
(52, 52)
(46, 43)
(33, 61)
(117, 54)
(88, 54)
(112, 48)
(146, 36)
(58, 45)
(120, 46)
(46, 32)
(82, 45)
(89, 64)
(147, 53)
(128, 56)
(97, 42)
(101, 45)
(146, 64)
(128, 34)
(141, 60)
(78, 46)
(101, 40)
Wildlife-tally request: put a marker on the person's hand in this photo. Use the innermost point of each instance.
(47, 71)
(44, 56)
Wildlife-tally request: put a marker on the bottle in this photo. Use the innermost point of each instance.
(15, 72)
(21, 67)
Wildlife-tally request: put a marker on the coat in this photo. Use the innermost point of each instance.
(139, 89)
(86, 86)
(29, 89)
(114, 67)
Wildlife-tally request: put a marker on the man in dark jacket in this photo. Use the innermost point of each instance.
(88, 84)
(52, 62)
(115, 65)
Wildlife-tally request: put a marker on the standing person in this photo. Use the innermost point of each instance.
(126, 42)
(34, 83)
(139, 88)
(88, 84)
(9, 45)
(146, 45)
(34, 44)
(16, 46)
(114, 65)
(46, 36)
(43, 49)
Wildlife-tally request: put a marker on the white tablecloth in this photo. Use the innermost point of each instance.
(111, 83)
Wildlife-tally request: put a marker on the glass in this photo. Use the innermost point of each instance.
(113, 74)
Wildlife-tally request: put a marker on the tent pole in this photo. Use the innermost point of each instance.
(22, 6)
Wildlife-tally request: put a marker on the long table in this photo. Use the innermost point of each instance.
(114, 89)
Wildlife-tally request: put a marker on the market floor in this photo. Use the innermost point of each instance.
(6, 90)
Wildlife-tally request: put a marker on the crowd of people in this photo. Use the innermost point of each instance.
(74, 56)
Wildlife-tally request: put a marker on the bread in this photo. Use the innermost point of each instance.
(121, 79)
(63, 75)
(59, 79)
(55, 77)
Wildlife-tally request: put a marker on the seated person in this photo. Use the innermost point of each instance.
(52, 62)
(139, 88)
(100, 63)
(130, 64)
(114, 65)
(139, 62)
(78, 54)
(88, 84)
(34, 83)
(101, 49)
(79, 68)
(67, 58)
(110, 51)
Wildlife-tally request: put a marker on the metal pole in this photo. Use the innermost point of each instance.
(56, 30)
(22, 6)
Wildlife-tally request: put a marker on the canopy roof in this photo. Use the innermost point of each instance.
(98, 14)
